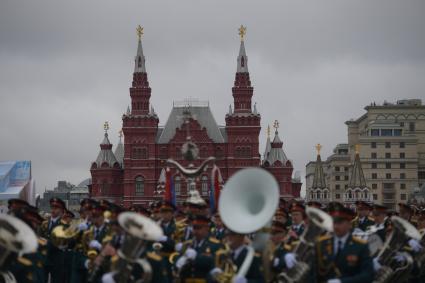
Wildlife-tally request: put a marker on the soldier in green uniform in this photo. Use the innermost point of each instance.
(341, 257)
(278, 233)
(196, 257)
(168, 226)
(297, 215)
(55, 267)
(363, 219)
(239, 251)
(30, 267)
(219, 231)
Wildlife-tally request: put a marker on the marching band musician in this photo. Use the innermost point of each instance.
(406, 212)
(239, 250)
(195, 258)
(30, 267)
(341, 257)
(363, 219)
(219, 231)
(55, 256)
(278, 233)
(168, 226)
(297, 215)
(379, 213)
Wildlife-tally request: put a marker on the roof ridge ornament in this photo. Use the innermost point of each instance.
(242, 32)
(106, 127)
(276, 125)
(139, 31)
(318, 148)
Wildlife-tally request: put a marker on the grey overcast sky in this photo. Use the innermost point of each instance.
(66, 66)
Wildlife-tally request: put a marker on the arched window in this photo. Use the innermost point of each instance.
(204, 186)
(140, 186)
(177, 185)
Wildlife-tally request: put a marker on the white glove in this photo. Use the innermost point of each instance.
(239, 279)
(415, 245)
(83, 226)
(190, 253)
(376, 264)
(215, 271)
(108, 277)
(334, 281)
(399, 257)
(162, 238)
(178, 247)
(180, 262)
(276, 262)
(94, 244)
(290, 260)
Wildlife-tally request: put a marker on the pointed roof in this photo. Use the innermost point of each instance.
(242, 66)
(357, 179)
(139, 60)
(276, 152)
(106, 154)
(319, 177)
(119, 152)
(268, 144)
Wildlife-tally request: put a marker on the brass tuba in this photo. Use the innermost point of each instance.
(319, 222)
(16, 237)
(391, 270)
(247, 204)
(138, 229)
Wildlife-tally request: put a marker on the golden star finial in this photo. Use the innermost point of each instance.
(318, 148)
(106, 126)
(357, 148)
(139, 31)
(242, 32)
(276, 124)
(268, 131)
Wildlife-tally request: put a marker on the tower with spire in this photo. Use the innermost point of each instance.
(140, 127)
(242, 124)
(357, 188)
(276, 162)
(319, 191)
(106, 172)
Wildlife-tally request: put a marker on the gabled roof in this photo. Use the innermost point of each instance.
(202, 114)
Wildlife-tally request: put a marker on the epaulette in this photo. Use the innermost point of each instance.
(214, 240)
(324, 238)
(42, 241)
(371, 218)
(359, 240)
(287, 247)
(154, 256)
(24, 261)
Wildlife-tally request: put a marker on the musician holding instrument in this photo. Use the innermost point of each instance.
(297, 211)
(379, 213)
(341, 257)
(196, 257)
(363, 219)
(238, 253)
(278, 233)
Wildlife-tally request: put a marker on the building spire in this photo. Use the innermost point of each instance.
(319, 177)
(139, 61)
(242, 66)
(357, 179)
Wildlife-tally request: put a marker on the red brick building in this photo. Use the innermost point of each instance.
(132, 173)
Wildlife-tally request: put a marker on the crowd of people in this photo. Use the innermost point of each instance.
(197, 247)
